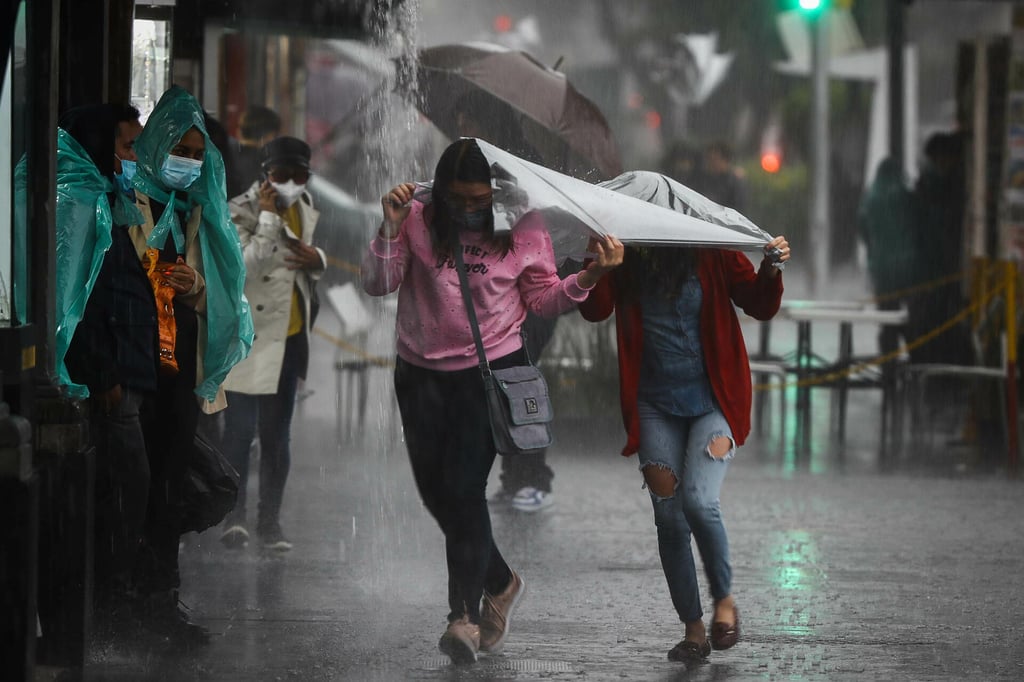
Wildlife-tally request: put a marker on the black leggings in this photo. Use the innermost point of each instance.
(169, 420)
(444, 416)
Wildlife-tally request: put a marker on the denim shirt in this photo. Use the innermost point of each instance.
(672, 373)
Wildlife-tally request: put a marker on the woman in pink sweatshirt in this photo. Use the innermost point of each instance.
(437, 378)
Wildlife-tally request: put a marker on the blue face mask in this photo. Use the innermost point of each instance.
(180, 173)
(474, 221)
(124, 178)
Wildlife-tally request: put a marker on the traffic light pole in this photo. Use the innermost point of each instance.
(819, 223)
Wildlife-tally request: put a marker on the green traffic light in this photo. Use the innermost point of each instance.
(810, 4)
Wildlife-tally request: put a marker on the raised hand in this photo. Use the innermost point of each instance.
(776, 251)
(608, 254)
(396, 208)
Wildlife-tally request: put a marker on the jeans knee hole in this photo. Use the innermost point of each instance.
(660, 480)
(715, 444)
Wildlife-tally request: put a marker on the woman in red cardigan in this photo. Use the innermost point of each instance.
(684, 383)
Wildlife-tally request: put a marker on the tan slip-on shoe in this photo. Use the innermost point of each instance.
(496, 614)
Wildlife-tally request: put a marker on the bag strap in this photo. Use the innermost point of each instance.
(460, 267)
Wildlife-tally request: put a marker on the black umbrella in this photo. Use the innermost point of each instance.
(518, 104)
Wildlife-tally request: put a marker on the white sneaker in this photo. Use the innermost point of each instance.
(530, 499)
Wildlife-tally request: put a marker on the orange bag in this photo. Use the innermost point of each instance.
(164, 294)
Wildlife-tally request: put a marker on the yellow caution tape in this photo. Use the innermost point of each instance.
(887, 357)
(355, 350)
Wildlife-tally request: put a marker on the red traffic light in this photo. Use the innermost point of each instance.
(771, 162)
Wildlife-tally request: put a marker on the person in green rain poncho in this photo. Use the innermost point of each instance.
(106, 336)
(190, 248)
(885, 221)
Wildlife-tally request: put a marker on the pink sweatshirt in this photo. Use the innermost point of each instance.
(433, 327)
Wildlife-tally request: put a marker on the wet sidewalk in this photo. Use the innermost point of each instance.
(837, 575)
(840, 571)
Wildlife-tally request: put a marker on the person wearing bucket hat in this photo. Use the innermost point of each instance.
(190, 248)
(275, 220)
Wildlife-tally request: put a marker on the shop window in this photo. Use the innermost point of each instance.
(14, 275)
(151, 56)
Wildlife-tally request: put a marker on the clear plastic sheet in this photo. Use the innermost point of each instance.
(638, 207)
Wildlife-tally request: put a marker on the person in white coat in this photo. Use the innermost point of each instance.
(276, 220)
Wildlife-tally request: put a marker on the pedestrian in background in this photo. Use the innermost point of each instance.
(526, 479)
(440, 390)
(682, 163)
(885, 219)
(256, 127)
(719, 180)
(940, 200)
(685, 391)
(276, 221)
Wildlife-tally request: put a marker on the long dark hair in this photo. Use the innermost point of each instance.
(462, 161)
(658, 271)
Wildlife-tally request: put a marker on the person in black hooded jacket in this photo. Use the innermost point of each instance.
(114, 354)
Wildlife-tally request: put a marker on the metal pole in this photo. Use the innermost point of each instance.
(1013, 437)
(820, 227)
(896, 34)
(44, 25)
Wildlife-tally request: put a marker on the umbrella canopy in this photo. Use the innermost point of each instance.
(639, 207)
(565, 129)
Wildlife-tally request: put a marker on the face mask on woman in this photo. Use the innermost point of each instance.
(124, 178)
(179, 172)
(473, 221)
(288, 192)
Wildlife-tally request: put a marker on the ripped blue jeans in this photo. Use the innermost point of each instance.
(681, 445)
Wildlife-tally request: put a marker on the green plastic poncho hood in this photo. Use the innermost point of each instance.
(229, 321)
(83, 222)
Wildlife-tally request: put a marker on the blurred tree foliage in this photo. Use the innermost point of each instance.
(753, 91)
(753, 96)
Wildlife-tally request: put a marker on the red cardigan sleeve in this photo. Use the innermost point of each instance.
(757, 293)
(600, 303)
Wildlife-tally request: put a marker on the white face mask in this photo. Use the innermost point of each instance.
(179, 172)
(289, 192)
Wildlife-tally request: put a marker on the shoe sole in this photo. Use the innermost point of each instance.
(277, 549)
(532, 508)
(235, 538)
(499, 645)
(456, 649)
